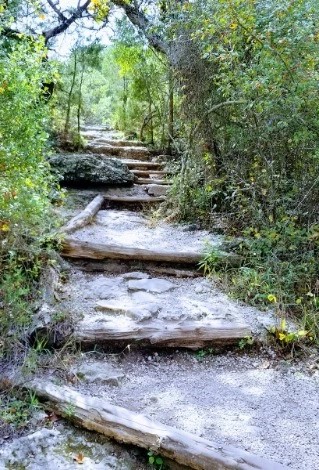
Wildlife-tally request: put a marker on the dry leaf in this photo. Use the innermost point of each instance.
(79, 458)
(53, 417)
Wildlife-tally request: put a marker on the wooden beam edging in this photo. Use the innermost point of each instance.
(84, 217)
(189, 334)
(128, 427)
(73, 248)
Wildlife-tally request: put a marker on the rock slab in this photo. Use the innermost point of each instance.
(99, 372)
(83, 169)
(158, 286)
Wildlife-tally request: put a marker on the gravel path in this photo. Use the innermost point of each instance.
(263, 405)
(259, 402)
(135, 229)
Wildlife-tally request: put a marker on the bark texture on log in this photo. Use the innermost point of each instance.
(135, 199)
(73, 248)
(148, 172)
(84, 217)
(128, 427)
(137, 164)
(151, 180)
(189, 334)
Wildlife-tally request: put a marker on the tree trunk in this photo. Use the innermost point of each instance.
(171, 111)
(80, 104)
(68, 110)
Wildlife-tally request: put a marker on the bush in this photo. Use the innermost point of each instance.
(25, 182)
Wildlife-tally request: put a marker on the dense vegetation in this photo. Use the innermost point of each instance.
(230, 88)
(25, 182)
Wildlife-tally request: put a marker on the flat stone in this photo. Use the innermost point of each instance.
(156, 190)
(103, 288)
(99, 372)
(136, 275)
(109, 307)
(142, 297)
(141, 312)
(151, 285)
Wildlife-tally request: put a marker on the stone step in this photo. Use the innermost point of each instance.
(116, 143)
(150, 172)
(121, 152)
(136, 164)
(134, 199)
(152, 181)
(156, 189)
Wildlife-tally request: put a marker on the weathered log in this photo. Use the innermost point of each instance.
(148, 172)
(73, 248)
(182, 273)
(139, 153)
(135, 199)
(84, 217)
(152, 181)
(139, 163)
(117, 143)
(132, 428)
(189, 334)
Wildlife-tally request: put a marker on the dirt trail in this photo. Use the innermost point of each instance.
(252, 401)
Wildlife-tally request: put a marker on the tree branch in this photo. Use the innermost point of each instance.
(57, 11)
(212, 110)
(63, 26)
(138, 19)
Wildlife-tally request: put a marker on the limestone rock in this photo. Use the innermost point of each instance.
(136, 275)
(138, 312)
(81, 169)
(99, 372)
(151, 285)
(156, 190)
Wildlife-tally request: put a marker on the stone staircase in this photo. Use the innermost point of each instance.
(140, 309)
(148, 169)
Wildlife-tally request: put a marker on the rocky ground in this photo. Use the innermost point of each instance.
(255, 399)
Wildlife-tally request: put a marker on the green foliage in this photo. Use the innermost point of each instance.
(202, 353)
(256, 114)
(25, 182)
(288, 340)
(280, 269)
(128, 88)
(250, 144)
(16, 411)
(246, 342)
(69, 99)
(156, 460)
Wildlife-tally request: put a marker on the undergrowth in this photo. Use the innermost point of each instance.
(280, 269)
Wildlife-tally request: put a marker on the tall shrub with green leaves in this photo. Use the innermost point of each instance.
(25, 183)
(250, 78)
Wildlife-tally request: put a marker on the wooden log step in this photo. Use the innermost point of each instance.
(128, 427)
(189, 334)
(143, 164)
(179, 273)
(135, 199)
(85, 217)
(151, 180)
(118, 143)
(72, 248)
(148, 172)
(120, 152)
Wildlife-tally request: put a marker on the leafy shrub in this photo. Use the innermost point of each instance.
(280, 268)
(25, 183)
